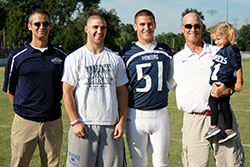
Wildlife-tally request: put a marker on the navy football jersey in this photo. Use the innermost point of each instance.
(147, 71)
(226, 62)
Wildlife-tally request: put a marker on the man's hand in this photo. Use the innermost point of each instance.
(119, 130)
(219, 89)
(237, 87)
(79, 130)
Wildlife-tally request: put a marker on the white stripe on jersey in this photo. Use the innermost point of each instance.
(146, 52)
(11, 68)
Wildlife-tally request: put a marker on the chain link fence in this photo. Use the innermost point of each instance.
(4, 52)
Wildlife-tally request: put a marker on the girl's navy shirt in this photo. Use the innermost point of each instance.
(226, 62)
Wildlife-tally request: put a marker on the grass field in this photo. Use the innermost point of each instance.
(240, 104)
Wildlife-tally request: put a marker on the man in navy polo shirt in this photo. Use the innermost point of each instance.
(33, 83)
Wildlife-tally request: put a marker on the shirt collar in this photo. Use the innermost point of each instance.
(144, 48)
(206, 49)
(188, 52)
(32, 50)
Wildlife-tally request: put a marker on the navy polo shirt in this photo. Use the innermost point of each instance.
(34, 78)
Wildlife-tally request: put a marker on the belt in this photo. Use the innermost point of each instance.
(207, 113)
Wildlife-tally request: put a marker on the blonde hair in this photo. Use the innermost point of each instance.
(224, 29)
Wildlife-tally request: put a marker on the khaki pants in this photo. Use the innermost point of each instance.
(26, 135)
(196, 148)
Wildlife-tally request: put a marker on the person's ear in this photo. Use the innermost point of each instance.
(135, 27)
(203, 27)
(86, 29)
(182, 28)
(29, 26)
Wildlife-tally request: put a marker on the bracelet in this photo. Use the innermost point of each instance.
(75, 122)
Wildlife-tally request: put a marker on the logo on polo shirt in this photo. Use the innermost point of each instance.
(56, 60)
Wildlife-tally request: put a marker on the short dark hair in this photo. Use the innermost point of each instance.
(144, 12)
(100, 16)
(40, 11)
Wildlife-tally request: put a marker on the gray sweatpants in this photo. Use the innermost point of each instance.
(97, 149)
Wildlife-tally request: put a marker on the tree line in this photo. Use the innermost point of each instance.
(68, 18)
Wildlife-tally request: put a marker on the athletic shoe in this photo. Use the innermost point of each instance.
(212, 132)
(229, 135)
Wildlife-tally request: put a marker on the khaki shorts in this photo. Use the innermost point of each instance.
(196, 148)
(26, 135)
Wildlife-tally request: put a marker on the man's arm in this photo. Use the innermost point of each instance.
(79, 129)
(239, 81)
(122, 94)
(219, 89)
(11, 97)
(171, 82)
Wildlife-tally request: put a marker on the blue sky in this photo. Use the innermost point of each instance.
(168, 12)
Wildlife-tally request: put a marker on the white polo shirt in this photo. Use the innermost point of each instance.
(190, 76)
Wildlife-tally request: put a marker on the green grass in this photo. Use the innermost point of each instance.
(240, 104)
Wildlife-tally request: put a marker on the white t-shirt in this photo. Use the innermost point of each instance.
(95, 78)
(190, 75)
(41, 49)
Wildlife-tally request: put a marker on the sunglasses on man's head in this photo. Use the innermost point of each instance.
(190, 26)
(45, 24)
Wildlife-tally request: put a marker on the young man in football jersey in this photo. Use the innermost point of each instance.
(191, 72)
(94, 91)
(148, 124)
